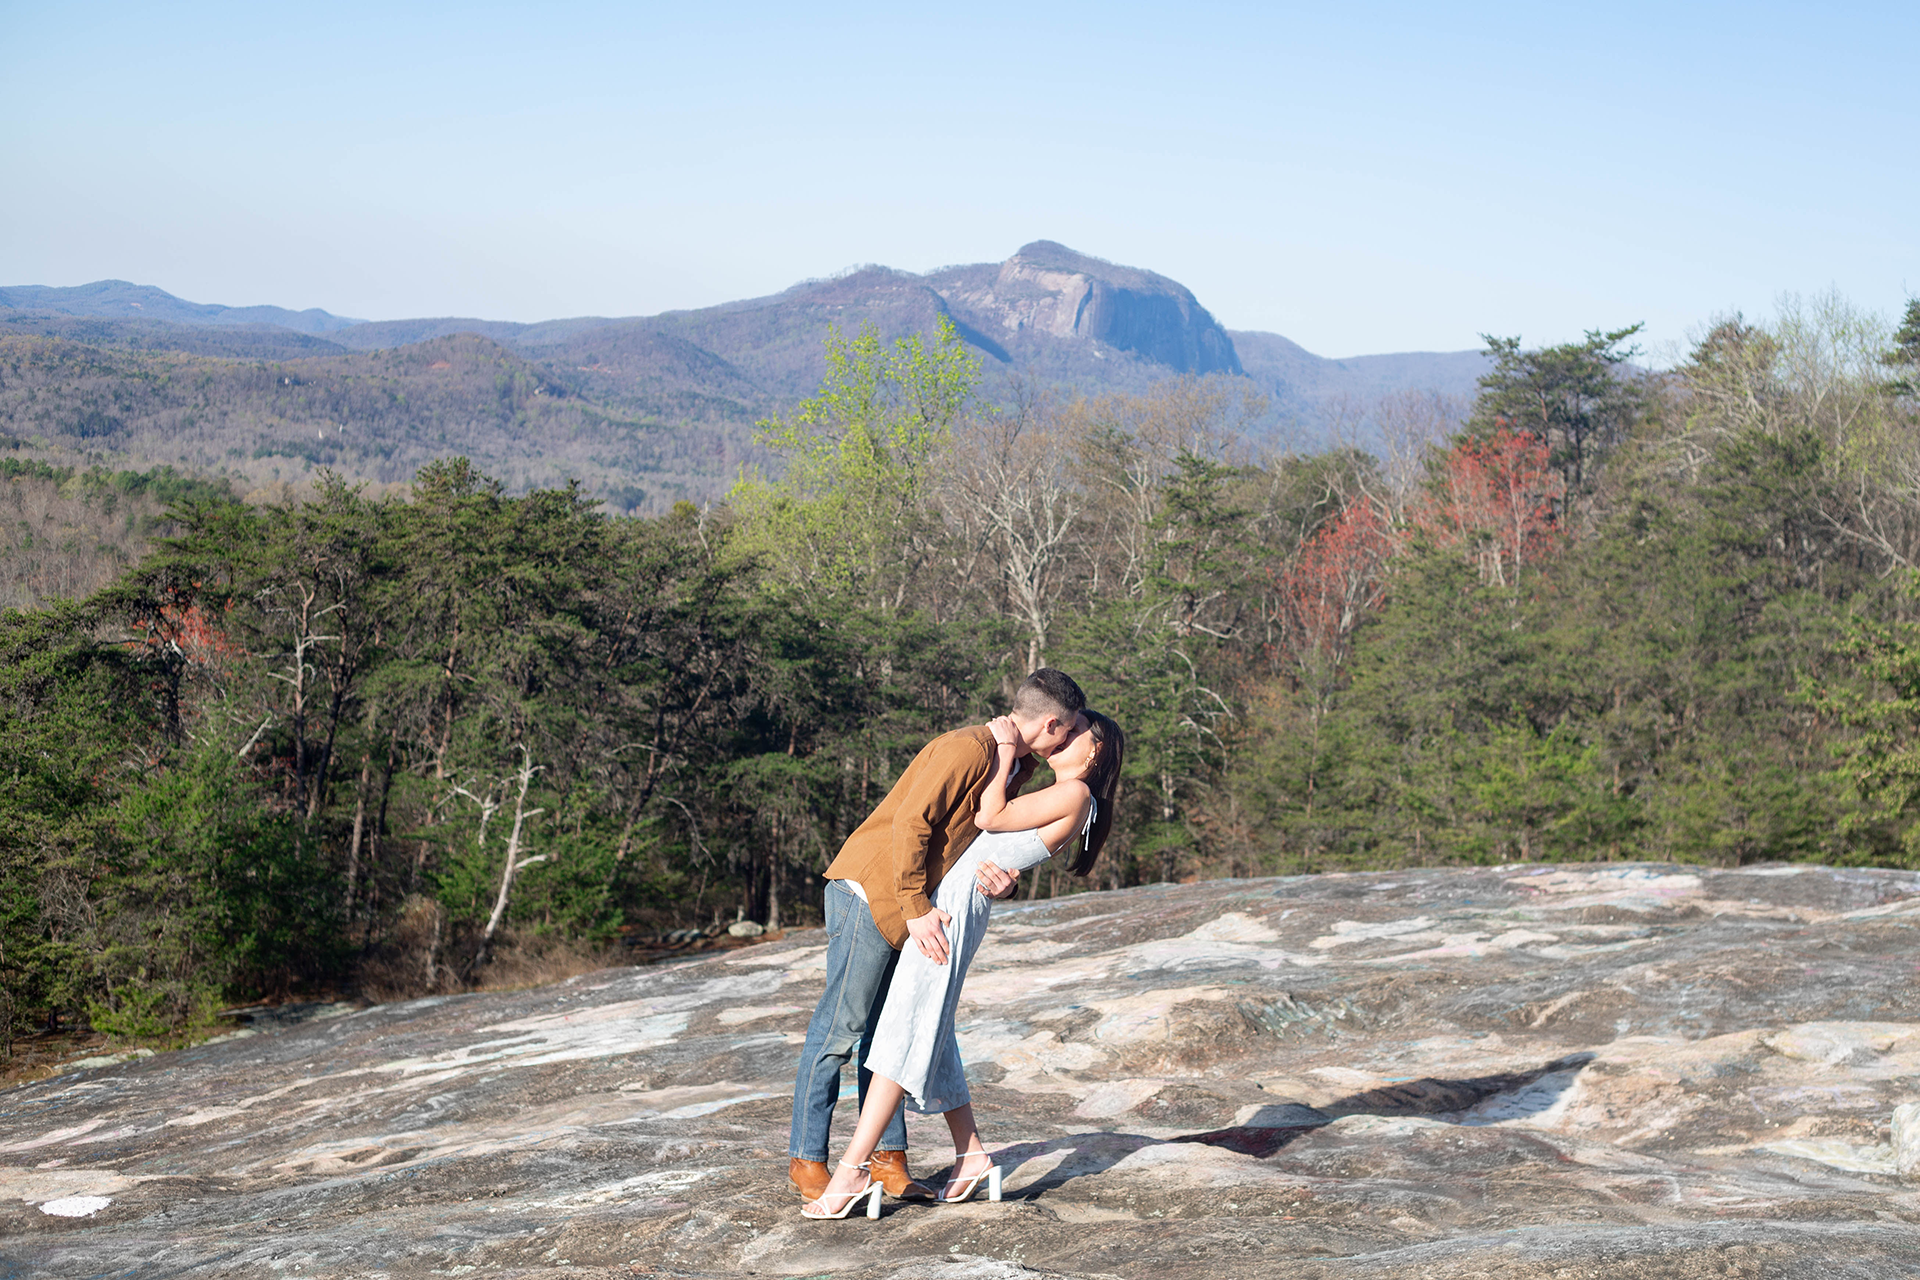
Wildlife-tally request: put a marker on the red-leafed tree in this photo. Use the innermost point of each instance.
(1336, 579)
(182, 644)
(1495, 500)
(184, 630)
(1333, 582)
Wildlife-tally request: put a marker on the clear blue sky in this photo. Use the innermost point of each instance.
(1359, 177)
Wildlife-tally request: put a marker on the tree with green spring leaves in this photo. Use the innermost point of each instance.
(848, 518)
(1881, 760)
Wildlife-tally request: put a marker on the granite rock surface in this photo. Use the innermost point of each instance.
(1562, 1071)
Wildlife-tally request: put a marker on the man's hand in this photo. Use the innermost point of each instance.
(994, 882)
(928, 932)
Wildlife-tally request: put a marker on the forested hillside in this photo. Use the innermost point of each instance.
(377, 416)
(65, 532)
(348, 738)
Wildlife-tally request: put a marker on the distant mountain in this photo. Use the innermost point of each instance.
(236, 341)
(679, 391)
(1304, 384)
(118, 300)
(1047, 312)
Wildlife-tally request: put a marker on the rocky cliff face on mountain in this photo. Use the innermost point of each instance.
(1048, 291)
(1521, 1073)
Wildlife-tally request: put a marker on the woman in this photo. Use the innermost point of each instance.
(914, 1051)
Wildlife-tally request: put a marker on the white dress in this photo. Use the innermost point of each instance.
(913, 1044)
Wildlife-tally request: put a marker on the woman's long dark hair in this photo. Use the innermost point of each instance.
(1104, 781)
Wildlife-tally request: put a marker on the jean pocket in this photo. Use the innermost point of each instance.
(835, 910)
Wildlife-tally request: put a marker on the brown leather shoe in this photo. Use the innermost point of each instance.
(890, 1171)
(809, 1177)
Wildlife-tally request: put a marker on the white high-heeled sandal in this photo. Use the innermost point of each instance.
(968, 1184)
(870, 1193)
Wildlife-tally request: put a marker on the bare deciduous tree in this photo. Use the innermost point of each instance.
(1010, 486)
(1125, 448)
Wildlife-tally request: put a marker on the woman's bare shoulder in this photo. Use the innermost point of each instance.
(1073, 793)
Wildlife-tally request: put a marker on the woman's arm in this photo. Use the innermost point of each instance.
(1035, 809)
(994, 799)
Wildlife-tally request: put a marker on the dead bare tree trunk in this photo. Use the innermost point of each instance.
(304, 616)
(359, 829)
(514, 862)
(433, 952)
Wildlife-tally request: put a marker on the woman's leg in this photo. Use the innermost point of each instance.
(969, 1157)
(883, 1103)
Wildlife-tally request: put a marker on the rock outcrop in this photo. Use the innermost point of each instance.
(1538, 1071)
(1048, 289)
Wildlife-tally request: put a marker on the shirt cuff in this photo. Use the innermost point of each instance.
(915, 905)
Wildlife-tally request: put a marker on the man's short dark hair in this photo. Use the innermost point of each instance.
(1048, 692)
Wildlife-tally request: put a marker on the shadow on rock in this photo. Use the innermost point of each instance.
(1081, 1155)
(1526, 1093)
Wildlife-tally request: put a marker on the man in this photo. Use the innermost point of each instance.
(878, 898)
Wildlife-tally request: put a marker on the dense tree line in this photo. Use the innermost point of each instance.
(341, 739)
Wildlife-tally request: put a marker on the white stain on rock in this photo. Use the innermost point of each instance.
(1116, 1097)
(1635, 888)
(1854, 1044)
(58, 1135)
(1469, 946)
(1838, 1153)
(555, 1038)
(794, 960)
(108, 1060)
(1906, 1139)
(39, 1186)
(76, 1206)
(1348, 931)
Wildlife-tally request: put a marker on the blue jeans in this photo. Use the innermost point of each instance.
(859, 967)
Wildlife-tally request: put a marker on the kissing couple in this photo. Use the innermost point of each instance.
(907, 902)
